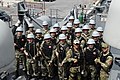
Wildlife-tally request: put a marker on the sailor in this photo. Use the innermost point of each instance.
(69, 26)
(78, 32)
(45, 27)
(60, 54)
(31, 54)
(38, 36)
(57, 27)
(95, 36)
(71, 19)
(46, 50)
(64, 30)
(53, 36)
(73, 56)
(100, 30)
(38, 42)
(19, 42)
(92, 26)
(85, 32)
(30, 29)
(52, 63)
(105, 61)
(91, 53)
(76, 23)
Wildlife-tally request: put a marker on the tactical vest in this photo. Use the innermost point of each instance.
(20, 41)
(31, 49)
(90, 56)
(81, 39)
(47, 50)
(77, 55)
(104, 58)
(62, 52)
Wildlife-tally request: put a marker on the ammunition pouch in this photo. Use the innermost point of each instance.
(18, 54)
(74, 70)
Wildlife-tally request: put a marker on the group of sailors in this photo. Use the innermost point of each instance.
(68, 52)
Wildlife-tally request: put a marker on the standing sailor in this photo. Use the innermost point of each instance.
(64, 30)
(38, 42)
(38, 36)
(31, 54)
(74, 57)
(92, 26)
(45, 27)
(59, 55)
(30, 29)
(95, 36)
(46, 49)
(53, 36)
(76, 23)
(91, 53)
(19, 42)
(78, 33)
(85, 32)
(57, 27)
(69, 26)
(71, 19)
(106, 62)
(100, 30)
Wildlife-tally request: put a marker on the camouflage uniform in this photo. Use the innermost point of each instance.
(46, 51)
(82, 42)
(38, 42)
(74, 55)
(59, 55)
(90, 32)
(19, 42)
(85, 36)
(105, 61)
(32, 64)
(106, 65)
(90, 56)
(69, 37)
